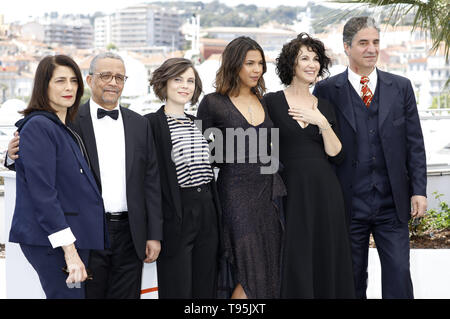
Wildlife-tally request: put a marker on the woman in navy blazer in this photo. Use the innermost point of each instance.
(59, 210)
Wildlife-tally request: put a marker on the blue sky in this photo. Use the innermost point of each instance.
(19, 10)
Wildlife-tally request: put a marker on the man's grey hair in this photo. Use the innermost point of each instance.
(101, 56)
(354, 25)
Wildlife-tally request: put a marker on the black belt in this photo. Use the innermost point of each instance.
(197, 189)
(116, 216)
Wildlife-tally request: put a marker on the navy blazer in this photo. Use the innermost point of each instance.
(400, 135)
(55, 188)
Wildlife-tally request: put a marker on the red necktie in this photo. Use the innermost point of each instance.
(366, 93)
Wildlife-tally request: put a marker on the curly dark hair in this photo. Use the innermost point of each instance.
(287, 60)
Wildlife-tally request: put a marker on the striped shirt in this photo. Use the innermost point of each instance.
(190, 152)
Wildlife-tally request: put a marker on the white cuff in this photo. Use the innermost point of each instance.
(62, 238)
(9, 161)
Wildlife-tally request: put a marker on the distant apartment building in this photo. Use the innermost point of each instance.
(14, 85)
(439, 74)
(102, 31)
(67, 32)
(270, 39)
(141, 26)
(4, 28)
(429, 75)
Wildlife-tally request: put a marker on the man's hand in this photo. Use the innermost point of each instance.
(419, 206)
(13, 146)
(152, 250)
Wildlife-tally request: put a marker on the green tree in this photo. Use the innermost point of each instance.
(431, 15)
(111, 46)
(86, 95)
(442, 101)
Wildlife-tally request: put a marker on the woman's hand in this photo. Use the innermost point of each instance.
(311, 116)
(13, 146)
(331, 142)
(75, 267)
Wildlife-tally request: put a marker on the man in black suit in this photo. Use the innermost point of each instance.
(121, 151)
(121, 155)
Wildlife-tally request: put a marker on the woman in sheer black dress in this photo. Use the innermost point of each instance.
(251, 217)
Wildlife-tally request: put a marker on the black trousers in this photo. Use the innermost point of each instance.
(192, 271)
(116, 271)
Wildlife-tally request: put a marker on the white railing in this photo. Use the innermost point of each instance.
(434, 114)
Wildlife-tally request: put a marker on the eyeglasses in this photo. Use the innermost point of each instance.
(107, 77)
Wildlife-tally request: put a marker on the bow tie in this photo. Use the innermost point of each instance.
(101, 113)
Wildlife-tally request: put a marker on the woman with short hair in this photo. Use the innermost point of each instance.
(187, 264)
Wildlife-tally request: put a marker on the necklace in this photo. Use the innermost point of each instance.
(179, 119)
(250, 112)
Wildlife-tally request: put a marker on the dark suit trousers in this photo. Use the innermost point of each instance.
(116, 271)
(391, 238)
(48, 263)
(191, 272)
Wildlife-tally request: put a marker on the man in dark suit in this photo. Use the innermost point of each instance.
(121, 152)
(384, 170)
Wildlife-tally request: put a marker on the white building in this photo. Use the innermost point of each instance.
(418, 74)
(68, 32)
(139, 27)
(33, 30)
(268, 37)
(102, 31)
(439, 73)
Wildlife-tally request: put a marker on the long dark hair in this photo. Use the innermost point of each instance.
(39, 98)
(233, 57)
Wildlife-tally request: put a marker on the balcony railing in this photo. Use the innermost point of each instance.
(435, 114)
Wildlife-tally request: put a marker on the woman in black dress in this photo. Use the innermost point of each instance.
(251, 218)
(187, 265)
(317, 258)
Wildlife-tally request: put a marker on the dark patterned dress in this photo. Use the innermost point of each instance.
(252, 218)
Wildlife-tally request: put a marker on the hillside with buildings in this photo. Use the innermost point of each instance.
(147, 34)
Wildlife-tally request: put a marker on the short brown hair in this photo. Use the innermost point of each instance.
(233, 57)
(39, 97)
(170, 69)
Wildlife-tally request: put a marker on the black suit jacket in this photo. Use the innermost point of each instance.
(171, 198)
(142, 174)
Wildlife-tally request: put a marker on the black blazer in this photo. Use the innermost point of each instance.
(142, 173)
(171, 198)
